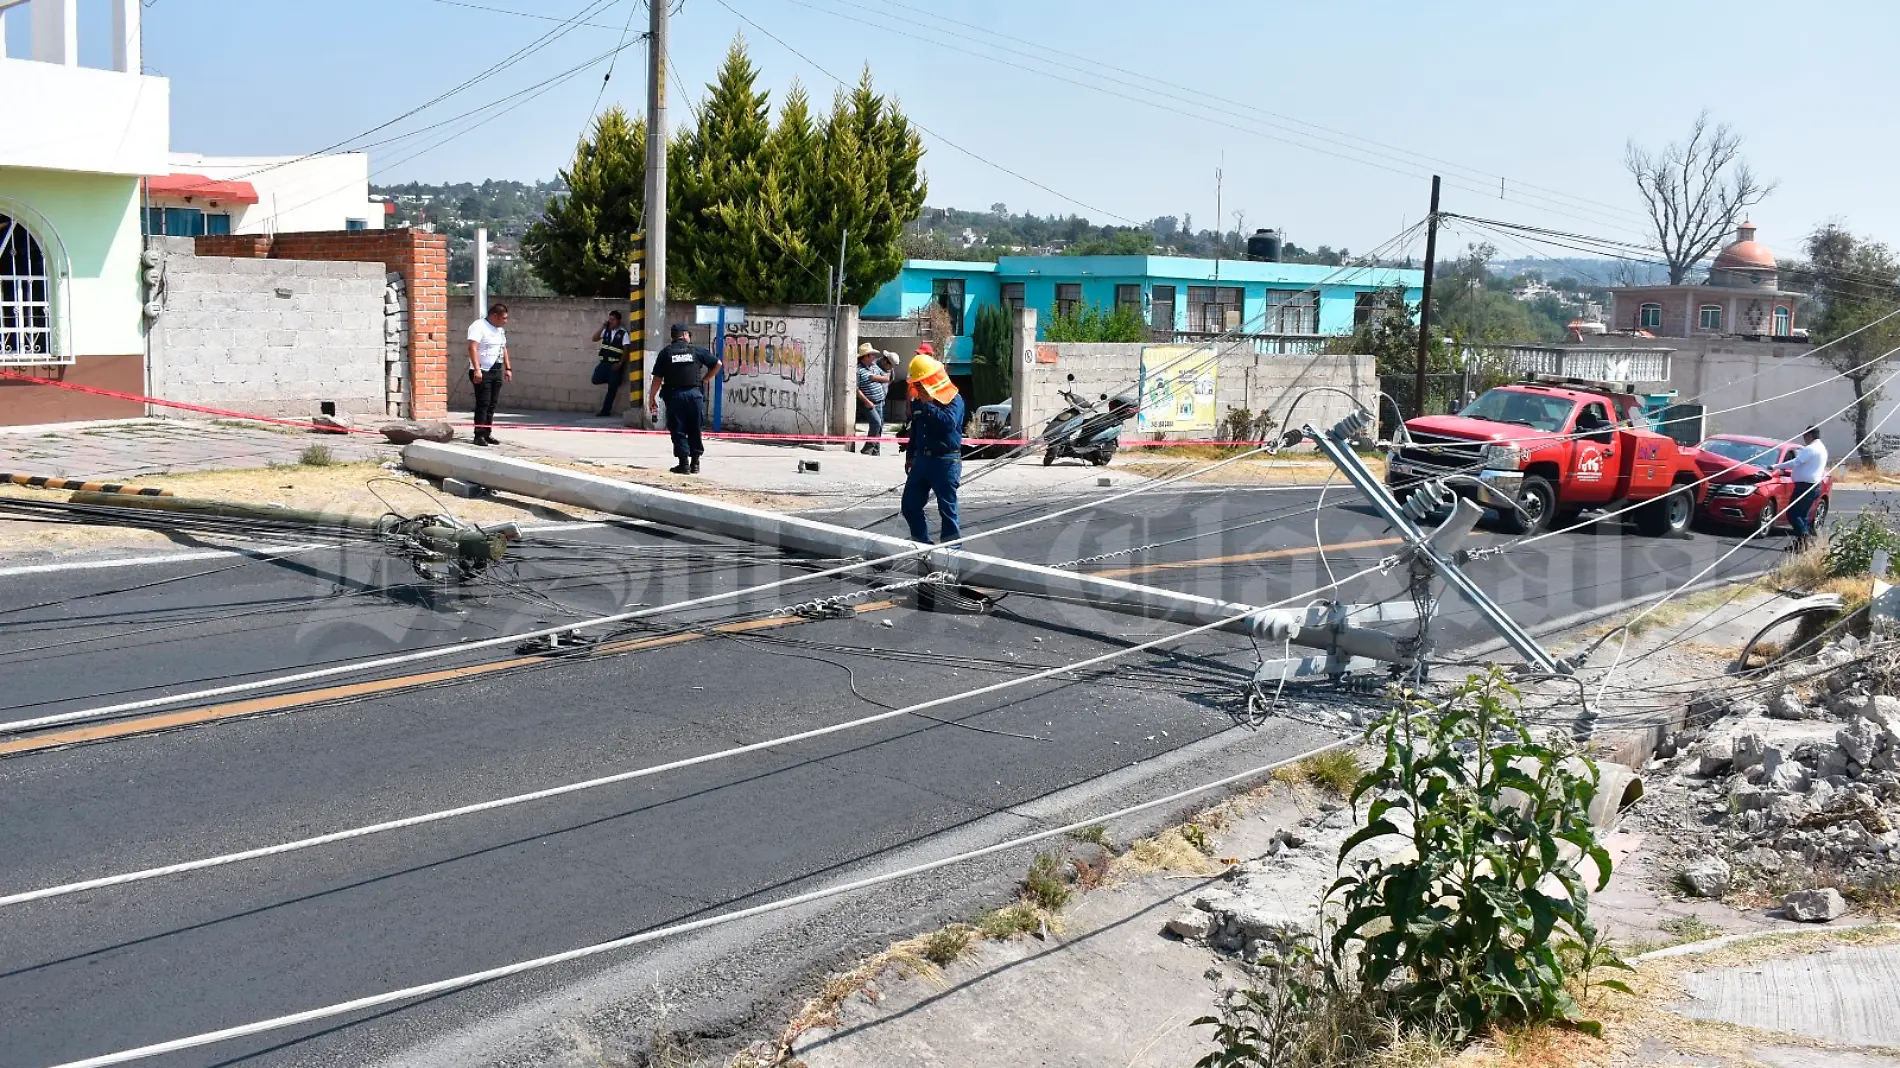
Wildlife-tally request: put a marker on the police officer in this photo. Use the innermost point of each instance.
(684, 371)
(933, 461)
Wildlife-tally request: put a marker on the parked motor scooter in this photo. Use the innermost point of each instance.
(1086, 432)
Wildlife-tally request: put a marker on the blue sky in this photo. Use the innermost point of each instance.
(1544, 95)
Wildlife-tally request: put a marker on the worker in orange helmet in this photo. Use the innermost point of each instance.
(933, 461)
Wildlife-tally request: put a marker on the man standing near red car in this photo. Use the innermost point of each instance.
(1808, 468)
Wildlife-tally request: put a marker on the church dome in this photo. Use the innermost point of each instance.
(1746, 254)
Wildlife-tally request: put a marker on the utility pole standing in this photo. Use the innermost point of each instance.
(655, 287)
(1425, 305)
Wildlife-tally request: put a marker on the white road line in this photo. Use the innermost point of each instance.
(221, 554)
(145, 561)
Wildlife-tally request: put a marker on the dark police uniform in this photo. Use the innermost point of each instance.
(680, 367)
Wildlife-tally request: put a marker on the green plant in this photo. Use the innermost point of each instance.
(1245, 424)
(1851, 545)
(316, 456)
(1045, 886)
(1459, 925)
(947, 945)
(1196, 836)
(1092, 322)
(1095, 834)
(994, 371)
(1298, 1018)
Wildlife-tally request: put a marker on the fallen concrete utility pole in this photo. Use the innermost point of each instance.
(427, 539)
(1317, 627)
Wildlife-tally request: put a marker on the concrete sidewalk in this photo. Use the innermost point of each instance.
(770, 468)
(133, 448)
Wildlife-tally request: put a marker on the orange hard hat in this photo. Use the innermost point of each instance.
(930, 378)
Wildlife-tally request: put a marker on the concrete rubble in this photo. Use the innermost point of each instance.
(1260, 908)
(1783, 788)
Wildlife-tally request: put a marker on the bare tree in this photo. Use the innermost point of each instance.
(1694, 191)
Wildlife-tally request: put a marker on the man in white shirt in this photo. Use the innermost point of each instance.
(488, 368)
(1808, 466)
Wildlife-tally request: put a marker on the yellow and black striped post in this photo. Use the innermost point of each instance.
(637, 323)
(52, 483)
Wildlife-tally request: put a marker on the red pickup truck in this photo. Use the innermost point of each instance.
(1540, 453)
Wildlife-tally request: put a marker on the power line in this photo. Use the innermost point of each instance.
(945, 140)
(632, 5)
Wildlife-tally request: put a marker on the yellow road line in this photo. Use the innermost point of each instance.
(280, 702)
(1246, 558)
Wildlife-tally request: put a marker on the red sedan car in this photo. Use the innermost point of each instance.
(1744, 489)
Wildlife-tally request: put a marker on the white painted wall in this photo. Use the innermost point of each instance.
(80, 119)
(294, 195)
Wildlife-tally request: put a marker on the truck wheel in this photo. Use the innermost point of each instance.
(1536, 504)
(1667, 514)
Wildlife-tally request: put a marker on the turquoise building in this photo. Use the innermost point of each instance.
(1283, 307)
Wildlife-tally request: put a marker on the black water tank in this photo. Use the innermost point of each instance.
(1264, 245)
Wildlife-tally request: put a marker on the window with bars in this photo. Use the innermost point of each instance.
(1013, 296)
(948, 295)
(1068, 298)
(1128, 297)
(1291, 311)
(1371, 307)
(1161, 308)
(26, 297)
(1214, 309)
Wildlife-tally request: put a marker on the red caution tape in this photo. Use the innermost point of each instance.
(722, 436)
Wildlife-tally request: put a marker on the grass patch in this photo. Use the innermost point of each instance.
(946, 946)
(1196, 835)
(1045, 887)
(1689, 929)
(1167, 851)
(1008, 922)
(1336, 771)
(1095, 834)
(316, 456)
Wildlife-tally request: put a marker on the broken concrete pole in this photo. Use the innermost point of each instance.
(405, 433)
(1707, 877)
(1815, 906)
(799, 534)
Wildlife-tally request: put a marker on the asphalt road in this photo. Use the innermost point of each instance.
(110, 969)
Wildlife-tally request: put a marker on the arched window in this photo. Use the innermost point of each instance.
(1782, 322)
(26, 296)
(1651, 317)
(1710, 317)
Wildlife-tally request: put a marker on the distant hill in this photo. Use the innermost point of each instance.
(458, 208)
(1587, 272)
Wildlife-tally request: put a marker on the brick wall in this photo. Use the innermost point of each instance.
(422, 259)
(268, 336)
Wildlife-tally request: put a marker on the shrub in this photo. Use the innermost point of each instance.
(316, 456)
(1006, 923)
(945, 946)
(1459, 928)
(1092, 322)
(1851, 545)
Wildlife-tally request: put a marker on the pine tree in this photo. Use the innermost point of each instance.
(873, 185)
(723, 164)
(582, 244)
(995, 371)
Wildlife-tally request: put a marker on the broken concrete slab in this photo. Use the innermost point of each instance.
(1849, 996)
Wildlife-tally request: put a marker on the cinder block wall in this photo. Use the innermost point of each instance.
(548, 344)
(268, 336)
(1269, 383)
(421, 258)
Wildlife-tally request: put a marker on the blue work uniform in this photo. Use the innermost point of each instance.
(935, 466)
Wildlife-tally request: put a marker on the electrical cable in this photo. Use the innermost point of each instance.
(640, 773)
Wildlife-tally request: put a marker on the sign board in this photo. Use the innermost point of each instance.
(708, 314)
(1179, 387)
(633, 274)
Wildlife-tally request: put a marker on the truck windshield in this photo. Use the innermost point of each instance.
(1537, 410)
(1741, 452)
